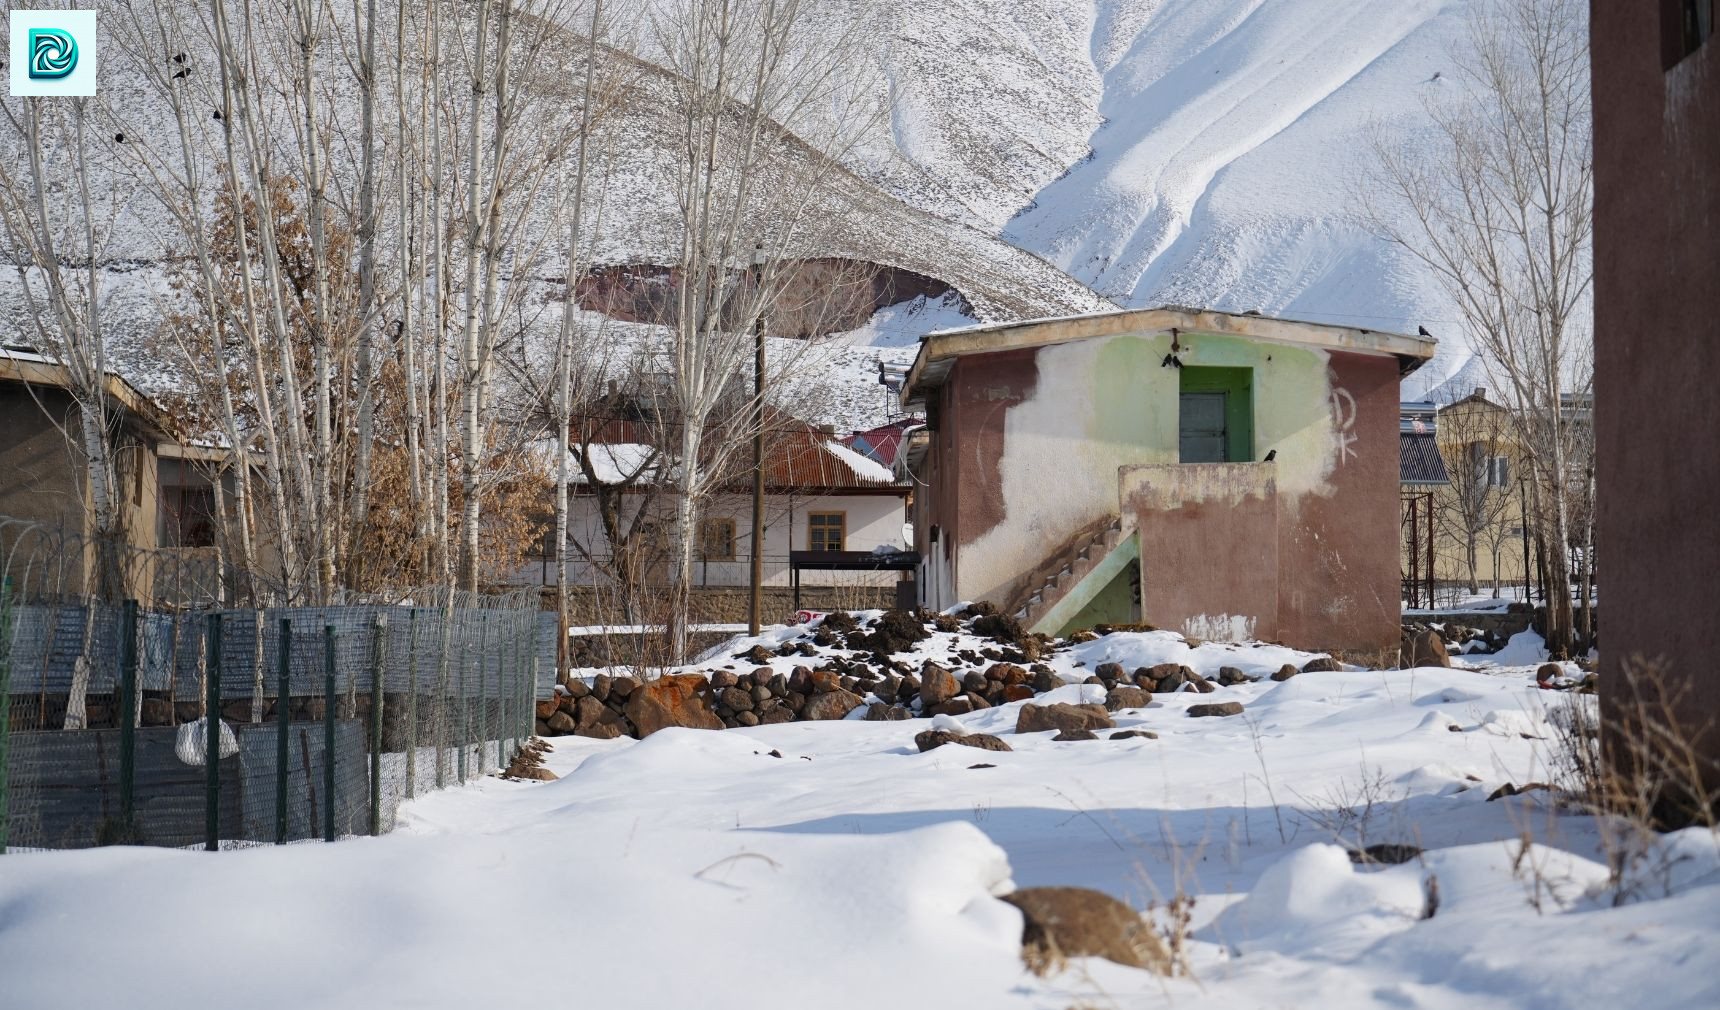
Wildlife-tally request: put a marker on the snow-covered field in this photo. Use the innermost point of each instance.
(833, 865)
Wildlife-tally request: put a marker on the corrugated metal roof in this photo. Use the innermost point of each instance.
(1419, 461)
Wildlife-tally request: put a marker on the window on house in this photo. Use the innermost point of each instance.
(826, 531)
(190, 516)
(717, 539)
(1215, 415)
(1684, 26)
(1489, 470)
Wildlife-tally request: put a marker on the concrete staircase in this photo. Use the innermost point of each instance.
(1064, 569)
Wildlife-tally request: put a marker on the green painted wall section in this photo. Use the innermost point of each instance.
(1064, 612)
(1117, 603)
(1287, 401)
(1239, 405)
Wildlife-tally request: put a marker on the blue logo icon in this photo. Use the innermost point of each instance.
(53, 54)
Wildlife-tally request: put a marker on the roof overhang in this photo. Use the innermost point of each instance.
(940, 350)
(37, 370)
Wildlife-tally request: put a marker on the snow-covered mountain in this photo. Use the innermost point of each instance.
(1203, 152)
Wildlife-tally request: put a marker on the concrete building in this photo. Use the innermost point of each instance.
(1227, 475)
(1656, 72)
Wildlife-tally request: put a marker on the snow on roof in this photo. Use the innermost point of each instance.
(864, 467)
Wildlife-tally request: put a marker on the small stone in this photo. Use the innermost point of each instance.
(1221, 708)
(955, 706)
(1075, 734)
(561, 723)
(1321, 664)
(1425, 648)
(746, 718)
(1285, 672)
(723, 678)
(1546, 673)
(1132, 734)
(1230, 676)
(1110, 673)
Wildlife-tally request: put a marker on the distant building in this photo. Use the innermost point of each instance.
(1227, 475)
(165, 490)
(1656, 73)
(821, 494)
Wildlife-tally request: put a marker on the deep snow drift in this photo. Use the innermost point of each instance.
(832, 865)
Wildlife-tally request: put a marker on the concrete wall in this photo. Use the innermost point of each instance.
(1657, 348)
(1029, 445)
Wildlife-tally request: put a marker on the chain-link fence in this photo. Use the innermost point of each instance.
(185, 725)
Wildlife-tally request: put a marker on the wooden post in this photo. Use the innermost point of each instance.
(328, 733)
(127, 715)
(378, 657)
(283, 715)
(212, 736)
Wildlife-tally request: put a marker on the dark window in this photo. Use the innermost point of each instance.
(717, 539)
(826, 531)
(190, 516)
(1201, 432)
(1684, 26)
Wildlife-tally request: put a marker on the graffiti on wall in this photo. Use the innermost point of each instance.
(1343, 407)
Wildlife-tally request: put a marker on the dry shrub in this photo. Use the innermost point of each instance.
(1642, 764)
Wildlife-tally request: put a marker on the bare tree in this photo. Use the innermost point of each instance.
(56, 238)
(1504, 221)
(765, 103)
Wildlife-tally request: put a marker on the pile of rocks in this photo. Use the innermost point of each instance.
(1002, 671)
(1463, 638)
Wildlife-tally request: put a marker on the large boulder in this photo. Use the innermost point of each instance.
(933, 738)
(937, 685)
(1123, 696)
(1425, 648)
(1222, 708)
(831, 705)
(672, 700)
(1063, 922)
(1062, 716)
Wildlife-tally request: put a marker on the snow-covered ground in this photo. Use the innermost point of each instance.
(832, 865)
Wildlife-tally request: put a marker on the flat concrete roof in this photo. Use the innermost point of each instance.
(940, 349)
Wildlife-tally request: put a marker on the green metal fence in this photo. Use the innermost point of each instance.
(211, 727)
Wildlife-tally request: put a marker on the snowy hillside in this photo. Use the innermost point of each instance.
(1224, 141)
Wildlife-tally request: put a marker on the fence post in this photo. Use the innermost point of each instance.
(5, 707)
(283, 715)
(127, 717)
(463, 734)
(378, 658)
(412, 703)
(483, 693)
(212, 736)
(328, 733)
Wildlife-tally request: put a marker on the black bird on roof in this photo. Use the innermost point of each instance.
(1271, 455)
(217, 114)
(180, 74)
(180, 58)
(1423, 331)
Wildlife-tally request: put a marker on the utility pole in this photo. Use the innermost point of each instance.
(757, 560)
